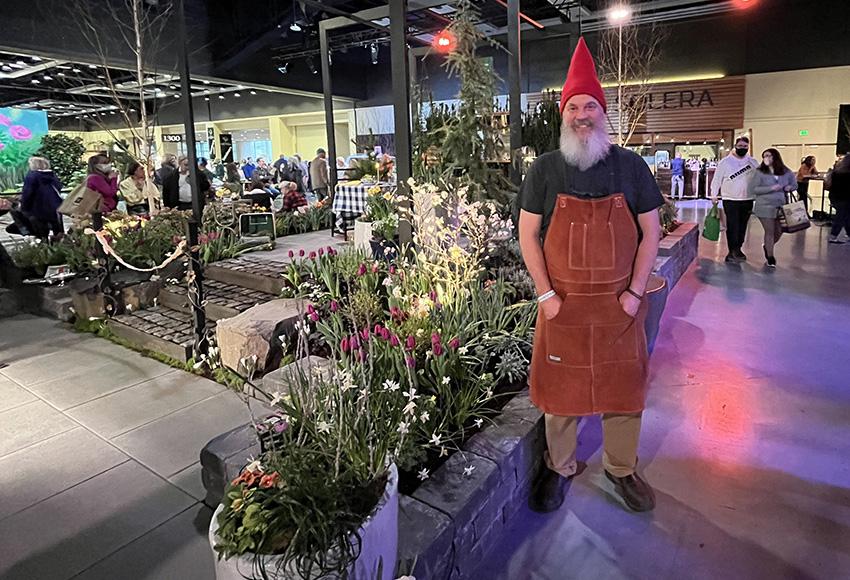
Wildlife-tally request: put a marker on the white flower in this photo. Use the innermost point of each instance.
(436, 439)
(479, 422)
(200, 362)
(277, 397)
(410, 408)
(488, 394)
(443, 451)
(446, 380)
(387, 281)
(254, 466)
(324, 427)
(467, 471)
(397, 292)
(425, 416)
(422, 475)
(391, 385)
(462, 350)
(363, 392)
(411, 394)
(403, 428)
(420, 333)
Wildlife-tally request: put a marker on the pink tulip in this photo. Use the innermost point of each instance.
(374, 268)
(392, 269)
(354, 342)
(301, 253)
(291, 254)
(454, 343)
(361, 270)
(410, 343)
(394, 340)
(432, 295)
(314, 317)
(435, 338)
(321, 252)
(365, 333)
(385, 334)
(411, 362)
(437, 349)
(310, 309)
(312, 255)
(343, 344)
(334, 306)
(377, 329)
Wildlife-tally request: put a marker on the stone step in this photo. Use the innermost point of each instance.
(222, 300)
(160, 329)
(249, 272)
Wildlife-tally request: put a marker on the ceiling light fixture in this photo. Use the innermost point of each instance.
(92, 66)
(237, 95)
(253, 92)
(35, 82)
(294, 27)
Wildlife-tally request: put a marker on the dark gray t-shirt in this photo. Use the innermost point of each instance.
(549, 176)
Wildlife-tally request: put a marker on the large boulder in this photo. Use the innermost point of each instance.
(255, 332)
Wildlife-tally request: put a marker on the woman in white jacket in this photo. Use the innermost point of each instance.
(770, 184)
(731, 182)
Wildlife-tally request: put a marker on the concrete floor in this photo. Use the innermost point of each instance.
(746, 436)
(746, 442)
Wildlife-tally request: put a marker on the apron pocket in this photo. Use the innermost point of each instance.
(616, 343)
(567, 345)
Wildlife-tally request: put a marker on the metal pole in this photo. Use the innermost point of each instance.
(401, 103)
(515, 94)
(199, 318)
(327, 90)
(620, 86)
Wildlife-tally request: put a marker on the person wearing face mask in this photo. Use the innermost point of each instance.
(770, 184)
(103, 179)
(731, 182)
(177, 189)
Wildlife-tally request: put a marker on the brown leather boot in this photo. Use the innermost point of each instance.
(635, 492)
(548, 492)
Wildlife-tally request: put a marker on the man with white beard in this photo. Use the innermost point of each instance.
(589, 233)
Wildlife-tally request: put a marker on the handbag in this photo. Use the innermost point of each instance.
(793, 216)
(711, 225)
(82, 201)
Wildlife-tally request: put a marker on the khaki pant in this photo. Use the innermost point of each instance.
(620, 434)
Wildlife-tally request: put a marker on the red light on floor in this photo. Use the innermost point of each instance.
(445, 41)
(746, 3)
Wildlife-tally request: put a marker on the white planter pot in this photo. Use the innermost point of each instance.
(362, 235)
(379, 545)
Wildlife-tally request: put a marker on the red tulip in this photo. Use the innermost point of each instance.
(394, 340)
(334, 306)
(454, 343)
(291, 254)
(301, 253)
(321, 252)
(314, 317)
(361, 270)
(385, 334)
(310, 309)
(435, 338)
(411, 343)
(343, 344)
(437, 349)
(365, 333)
(312, 255)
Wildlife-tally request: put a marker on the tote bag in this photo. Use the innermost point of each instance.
(81, 202)
(793, 216)
(711, 225)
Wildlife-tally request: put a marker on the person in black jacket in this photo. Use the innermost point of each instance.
(177, 191)
(40, 199)
(838, 182)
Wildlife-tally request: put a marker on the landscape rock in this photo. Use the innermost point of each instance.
(256, 332)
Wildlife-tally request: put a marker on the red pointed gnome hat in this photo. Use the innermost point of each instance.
(582, 79)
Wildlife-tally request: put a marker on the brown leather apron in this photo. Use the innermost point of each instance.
(592, 357)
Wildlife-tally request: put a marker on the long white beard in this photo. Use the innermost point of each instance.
(584, 153)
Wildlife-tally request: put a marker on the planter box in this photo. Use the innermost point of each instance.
(676, 252)
(362, 235)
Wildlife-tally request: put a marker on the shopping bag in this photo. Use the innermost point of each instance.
(711, 225)
(81, 202)
(793, 216)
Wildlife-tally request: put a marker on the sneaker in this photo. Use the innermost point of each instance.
(771, 260)
(634, 491)
(836, 240)
(740, 255)
(731, 259)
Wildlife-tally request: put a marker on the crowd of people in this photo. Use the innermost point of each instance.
(748, 187)
(287, 178)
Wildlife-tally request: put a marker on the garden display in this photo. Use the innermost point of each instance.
(424, 346)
